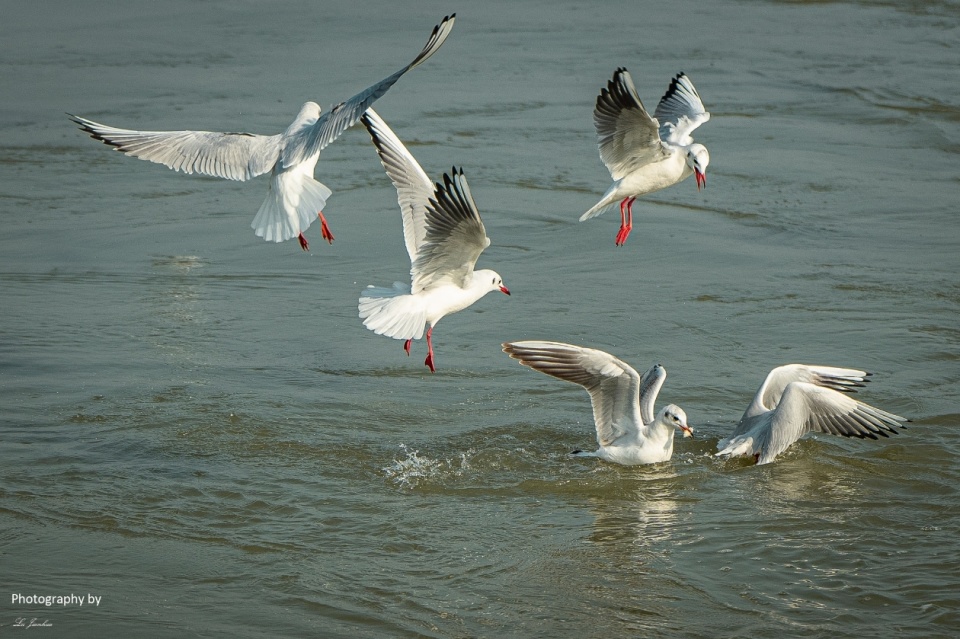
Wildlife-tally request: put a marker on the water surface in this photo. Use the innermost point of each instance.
(197, 428)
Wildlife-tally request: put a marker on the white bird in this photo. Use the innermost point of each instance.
(645, 154)
(628, 432)
(797, 399)
(295, 198)
(444, 237)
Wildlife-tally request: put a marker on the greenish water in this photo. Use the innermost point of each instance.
(197, 429)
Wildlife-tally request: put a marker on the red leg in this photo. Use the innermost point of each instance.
(303, 242)
(324, 229)
(429, 360)
(626, 220)
(406, 346)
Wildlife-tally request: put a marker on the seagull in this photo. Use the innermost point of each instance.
(627, 430)
(444, 237)
(645, 154)
(797, 399)
(295, 198)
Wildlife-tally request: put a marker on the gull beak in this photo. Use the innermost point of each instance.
(687, 431)
(701, 179)
(505, 290)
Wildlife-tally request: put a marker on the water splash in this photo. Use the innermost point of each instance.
(413, 469)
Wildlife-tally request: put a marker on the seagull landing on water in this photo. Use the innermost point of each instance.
(444, 237)
(645, 154)
(628, 432)
(795, 400)
(295, 199)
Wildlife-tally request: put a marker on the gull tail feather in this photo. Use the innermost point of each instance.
(609, 199)
(291, 206)
(737, 446)
(392, 312)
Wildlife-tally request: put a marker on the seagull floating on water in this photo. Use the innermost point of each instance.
(645, 154)
(295, 198)
(628, 432)
(797, 399)
(444, 237)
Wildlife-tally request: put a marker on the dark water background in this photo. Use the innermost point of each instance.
(197, 428)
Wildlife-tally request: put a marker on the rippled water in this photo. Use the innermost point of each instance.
(197, 428)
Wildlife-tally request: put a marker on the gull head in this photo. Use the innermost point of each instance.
(491, 280)
(309, 111)
(697, 159)
(672, 415)
(306, 118)
(497, 284)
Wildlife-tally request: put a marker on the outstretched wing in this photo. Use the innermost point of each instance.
(769, 394)
(612, 383)
(414, 188)
(806, 407)
(234, 156)
(680, 111)
(344, 115)
(628, 136)
(455, 235)
(650, 385)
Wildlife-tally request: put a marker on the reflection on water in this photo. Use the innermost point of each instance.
(181, 264)
(648, 520)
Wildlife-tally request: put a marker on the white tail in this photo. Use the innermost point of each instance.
(609, 199)
(392, 312)
(736, 446)
(291, 206)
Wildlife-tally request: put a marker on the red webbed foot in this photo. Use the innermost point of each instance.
(429, 360)
(324, 228)
(626, 220)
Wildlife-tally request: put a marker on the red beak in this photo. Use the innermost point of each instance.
(504, 289)
(701, 179)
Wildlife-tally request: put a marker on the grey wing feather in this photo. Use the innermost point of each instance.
(680, 111)
(769, 394)
(344, 115)
(234, 156)
(806, 407)
(613, 384)
(650, 385)
(628, 136)
(414, 188)
(455, 235)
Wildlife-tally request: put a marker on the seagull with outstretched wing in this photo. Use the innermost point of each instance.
(628, 431)
(645, 154)
(797, 399)
(295, 199)
(444, 236)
